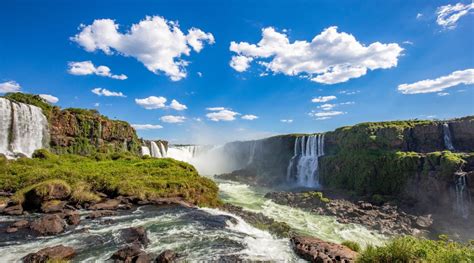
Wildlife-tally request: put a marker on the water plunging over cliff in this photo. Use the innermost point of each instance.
(158, 149)
(448, 143)
(462, 195)
(304, 165)
(145, 151)
(23, 128)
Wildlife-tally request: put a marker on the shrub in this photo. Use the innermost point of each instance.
(352, 245)
(43, 154)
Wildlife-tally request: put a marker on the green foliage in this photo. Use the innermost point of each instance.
(44, 154)
(445, 162)
(411, 249)
(317, 195)
(41, 189)
(352, 245)
(141, 178)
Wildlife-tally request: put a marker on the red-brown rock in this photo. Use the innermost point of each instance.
(48, 225)
(317, 250)
(49, 254)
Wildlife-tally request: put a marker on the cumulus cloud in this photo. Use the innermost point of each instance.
(249, 117)
(448, 15)
(287, 120)
(107, 93)
(177, 106)
(323, 99)
(419, 16)
(172, 119)
(221, 114)
(88, 68)
(9, 86)
(156, 42)
(329, 58)
(49, 98)
(146, 126)
(327, 106)
(152, 102)
(347, 103)
(442, 94)
(439, 84)
(324, 115)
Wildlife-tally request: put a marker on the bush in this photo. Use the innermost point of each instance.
(352, 245)
(411, 249)
(43, 154)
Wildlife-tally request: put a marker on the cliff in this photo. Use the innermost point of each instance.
(81, 131)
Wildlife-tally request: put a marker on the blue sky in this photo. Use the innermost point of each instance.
(386, 45)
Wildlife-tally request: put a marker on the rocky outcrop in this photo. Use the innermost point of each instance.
(167, 256)
(130, 254)
(47, 225)
(316, 250)
(136, 235)
(58, 253)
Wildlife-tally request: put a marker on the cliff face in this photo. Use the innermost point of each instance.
(82, 131)
(86, 131)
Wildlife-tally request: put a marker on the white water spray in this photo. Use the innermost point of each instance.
(23, 128)
(462, 195)
(145, 151)
(448, 143)
(158, 149)
(304, 164)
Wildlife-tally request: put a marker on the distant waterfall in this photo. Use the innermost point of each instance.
(145, 151)
(23, 128)
(185, 153)
(304, 164)
(462, 195)
(448, 143)
(158, 150)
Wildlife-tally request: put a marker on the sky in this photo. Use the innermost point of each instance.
(216, 71)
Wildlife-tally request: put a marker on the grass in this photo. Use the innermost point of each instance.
(352, 245)
(125, 175)
(411, 249)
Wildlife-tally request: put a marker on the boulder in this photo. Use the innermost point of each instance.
(111, 204)
(101, 213)
(14, 210)
(316, 250)
(50, 254)
(20, 223)
(166, 256)
(46, 191)
(72, 217)
(424, 221)
(136, 235)
(130, 254)
(52, 206)
(51, 224)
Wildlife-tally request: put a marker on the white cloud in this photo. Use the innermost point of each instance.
(49, 98)
(331, 57)
(348, 92)
(287, 120)
(324, 115)
(419, 15)
(96, 104)
(323, 98)
(327, 106)
(156, 42)
(177, 106)
(173, 119)
(199, 74)
(347, 103)
(107, 93)
(408, 42)
(152, 102)
(448, 15)
(146, 126)
(439, 84)
(441, 94)
(249, 117)
(88, 68)
(221, 114)
(9, 86)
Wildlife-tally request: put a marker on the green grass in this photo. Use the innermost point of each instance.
(125, 175)
(411, 249)
(352, 245)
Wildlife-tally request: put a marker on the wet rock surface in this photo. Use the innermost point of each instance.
(166, 256)
(51, 254)
(101, 213)
(316, 250)
(130, 253)
(386, 219)
(136, 235)
(47, 225)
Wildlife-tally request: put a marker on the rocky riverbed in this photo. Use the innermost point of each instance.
(386, 219)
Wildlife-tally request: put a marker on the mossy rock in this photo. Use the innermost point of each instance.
(32, 196)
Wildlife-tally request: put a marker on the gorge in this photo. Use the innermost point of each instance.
(411, 170)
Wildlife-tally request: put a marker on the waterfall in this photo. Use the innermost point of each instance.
(448, 143)
(304, 164)
(184, 153)
(158, 149)
(253, 147)
(145, 151)
(23, 128)
(463, 198)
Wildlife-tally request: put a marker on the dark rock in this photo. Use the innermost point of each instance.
(136, 235)
(101, 213)
(424, 221)
(72, 217)
(52, 206)
(14, 210)
(129, 254)
(111, 204)
(50, 254)
(48, 225)
(11, 229)
(316, 250)
(166, 256)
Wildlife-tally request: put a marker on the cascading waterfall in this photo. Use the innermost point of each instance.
(185, 153)
(23, 128)
(448, 143)
(145, 151)
(304, 163)
(462, 195)
(158, 149)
